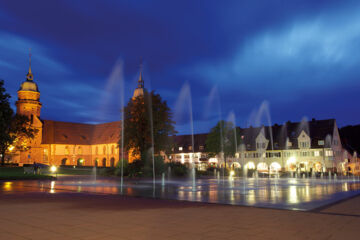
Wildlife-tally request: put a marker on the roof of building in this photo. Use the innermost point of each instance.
(29, 84)
(290, 131)
(56, 132)
(185, 141)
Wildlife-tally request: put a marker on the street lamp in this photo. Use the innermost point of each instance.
(53, 169)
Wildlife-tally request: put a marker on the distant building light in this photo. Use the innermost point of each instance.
(180, 148)
(321, 142)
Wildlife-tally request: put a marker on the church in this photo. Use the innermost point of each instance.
(66, 143)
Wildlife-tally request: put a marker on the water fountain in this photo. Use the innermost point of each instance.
(163, 179)
(169, 173)
(94, 172)
(193, 174)
(290, 193)
(214, 99)
(185, 97)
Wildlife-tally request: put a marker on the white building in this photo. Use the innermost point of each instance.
(294, 146)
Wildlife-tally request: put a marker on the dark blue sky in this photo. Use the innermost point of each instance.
(294, 58)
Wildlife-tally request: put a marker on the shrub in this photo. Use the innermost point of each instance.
(159, 166)
(117, 171)
(177, 169)
(135, 169)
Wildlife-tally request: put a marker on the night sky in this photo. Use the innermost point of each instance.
(293, 59)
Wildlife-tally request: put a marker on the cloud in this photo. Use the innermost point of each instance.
(309, 54)
(14, 47)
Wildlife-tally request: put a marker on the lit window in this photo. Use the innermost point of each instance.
(201, 147)
(180, 148)
(316, 153)
(190, 148)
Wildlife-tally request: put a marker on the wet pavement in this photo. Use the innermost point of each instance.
(282, 193)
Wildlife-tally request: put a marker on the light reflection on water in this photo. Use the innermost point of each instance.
(300, 194)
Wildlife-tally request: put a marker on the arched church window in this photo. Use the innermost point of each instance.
(104, 150)
(112, 150)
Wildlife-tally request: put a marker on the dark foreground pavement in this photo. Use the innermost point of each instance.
(25, 215)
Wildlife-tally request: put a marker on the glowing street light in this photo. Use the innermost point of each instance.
(53, 169)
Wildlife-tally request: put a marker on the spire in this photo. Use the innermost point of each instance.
(29, 76)
(141, 81)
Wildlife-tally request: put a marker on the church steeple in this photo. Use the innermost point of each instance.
(28, 102)
(139, 91)
(141, 81)
(30, 76)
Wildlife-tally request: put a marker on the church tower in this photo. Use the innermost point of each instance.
(28, 104)
(139, 91)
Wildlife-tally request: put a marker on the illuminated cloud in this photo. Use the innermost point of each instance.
(311, 54)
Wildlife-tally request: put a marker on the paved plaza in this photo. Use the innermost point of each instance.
(31, 215)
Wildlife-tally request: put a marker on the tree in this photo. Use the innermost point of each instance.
(221, 140)
(14, 128)
(147, 117)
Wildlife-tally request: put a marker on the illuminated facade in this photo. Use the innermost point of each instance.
(301, 146)
(64, 143)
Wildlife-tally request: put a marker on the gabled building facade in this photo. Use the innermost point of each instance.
(294, 146)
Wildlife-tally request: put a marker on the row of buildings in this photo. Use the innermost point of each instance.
(294, 146)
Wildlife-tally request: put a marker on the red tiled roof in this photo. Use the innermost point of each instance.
(56, 132)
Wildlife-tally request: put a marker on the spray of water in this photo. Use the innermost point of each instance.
(231, 118)
(116, 81)
(264, 110)
(184, 100)
(214, 100)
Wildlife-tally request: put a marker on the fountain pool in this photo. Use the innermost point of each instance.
(282, 193)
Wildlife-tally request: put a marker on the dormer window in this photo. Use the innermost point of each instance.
(180, 148)
(190, 148)
(303, 140)
(201, 147)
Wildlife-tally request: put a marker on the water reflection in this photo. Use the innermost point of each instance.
(7, 186)
(303, 194)
(52, 187)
